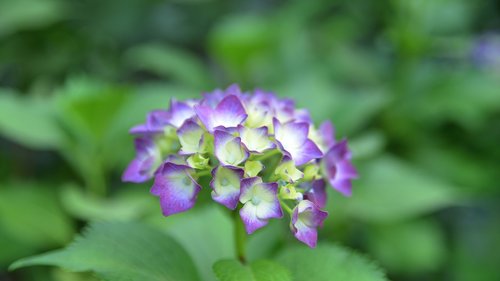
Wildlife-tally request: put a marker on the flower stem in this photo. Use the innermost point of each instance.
(240, 237)
(285, 207)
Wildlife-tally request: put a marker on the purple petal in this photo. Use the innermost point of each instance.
(206, 116)
(255, 139)
(176, 188)
(260, 203)
(156, 121)
(190, 137)
(327, 133)
(248, 214)
(226, 185)
(147, 160)
(228, 149)
(291, 135)
(306, 218)
(230, 112)
(302, 115)
(317, 193)
(292, 138)
(339, 169)
(306, 153)
(179, 112)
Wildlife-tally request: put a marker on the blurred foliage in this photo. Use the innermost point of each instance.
(400, 79)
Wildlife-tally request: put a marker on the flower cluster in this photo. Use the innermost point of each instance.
(262, 155)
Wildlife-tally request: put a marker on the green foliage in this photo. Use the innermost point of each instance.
(399, 79)
(26, 14)
(328, 263)
(390, 190)
(122, 251)
(261, 270)
(170, 63)
(206, 234)
(29, 121)
(411, 247)
(30, 219)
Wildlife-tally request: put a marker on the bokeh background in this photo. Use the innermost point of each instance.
(414, 85)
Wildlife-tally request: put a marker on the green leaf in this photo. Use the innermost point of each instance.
(30, 220)
(170, 62)
(28, 121)
(328, 263)
(391, 190)
(409, 247)
(261, 270)
(25, 14)
(206, 234)
(124, 206)
(121, 251)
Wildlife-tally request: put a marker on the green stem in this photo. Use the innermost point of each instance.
(285, 207)
(203, 173)
(240, 237)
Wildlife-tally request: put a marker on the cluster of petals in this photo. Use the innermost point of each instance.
(264, 158)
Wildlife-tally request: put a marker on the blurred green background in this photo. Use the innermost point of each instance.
(413, 84)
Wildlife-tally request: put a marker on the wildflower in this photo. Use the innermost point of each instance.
(264, 157)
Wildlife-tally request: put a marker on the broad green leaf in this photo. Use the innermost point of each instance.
(33, 215)
(29, 121)
(391, 190)
(206, 234)
(328, 263)
(124, 206)
(122, 251)
(409, 247)
(261, 270)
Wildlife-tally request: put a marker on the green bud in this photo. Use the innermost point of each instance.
(311, 172)
(197, 161)
(289, 192)
(253, 168)
(288, 172)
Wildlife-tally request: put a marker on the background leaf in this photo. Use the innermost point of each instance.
(30, 122)
(122, 251)
(328, 263)
(31, 219)
(261, 270)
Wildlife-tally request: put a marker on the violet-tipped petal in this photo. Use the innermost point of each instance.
(260, 203)
(228, 113)
(338, 168)
(292, 138)
(225, 185)
(306, 218)
(176, 188)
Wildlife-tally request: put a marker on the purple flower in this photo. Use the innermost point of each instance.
(179, 112)
(292, 139)
(226, 185)
(255, 139)
(235, 139)
(306, 218)
(147, 160)
(316, 193)
(228, 148)
(260, 203)
(229, 113)
(175, 186)
(190, 137)
(338, 168)
(156, 121)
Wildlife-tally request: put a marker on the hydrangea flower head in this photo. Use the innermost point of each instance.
(264, 158)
